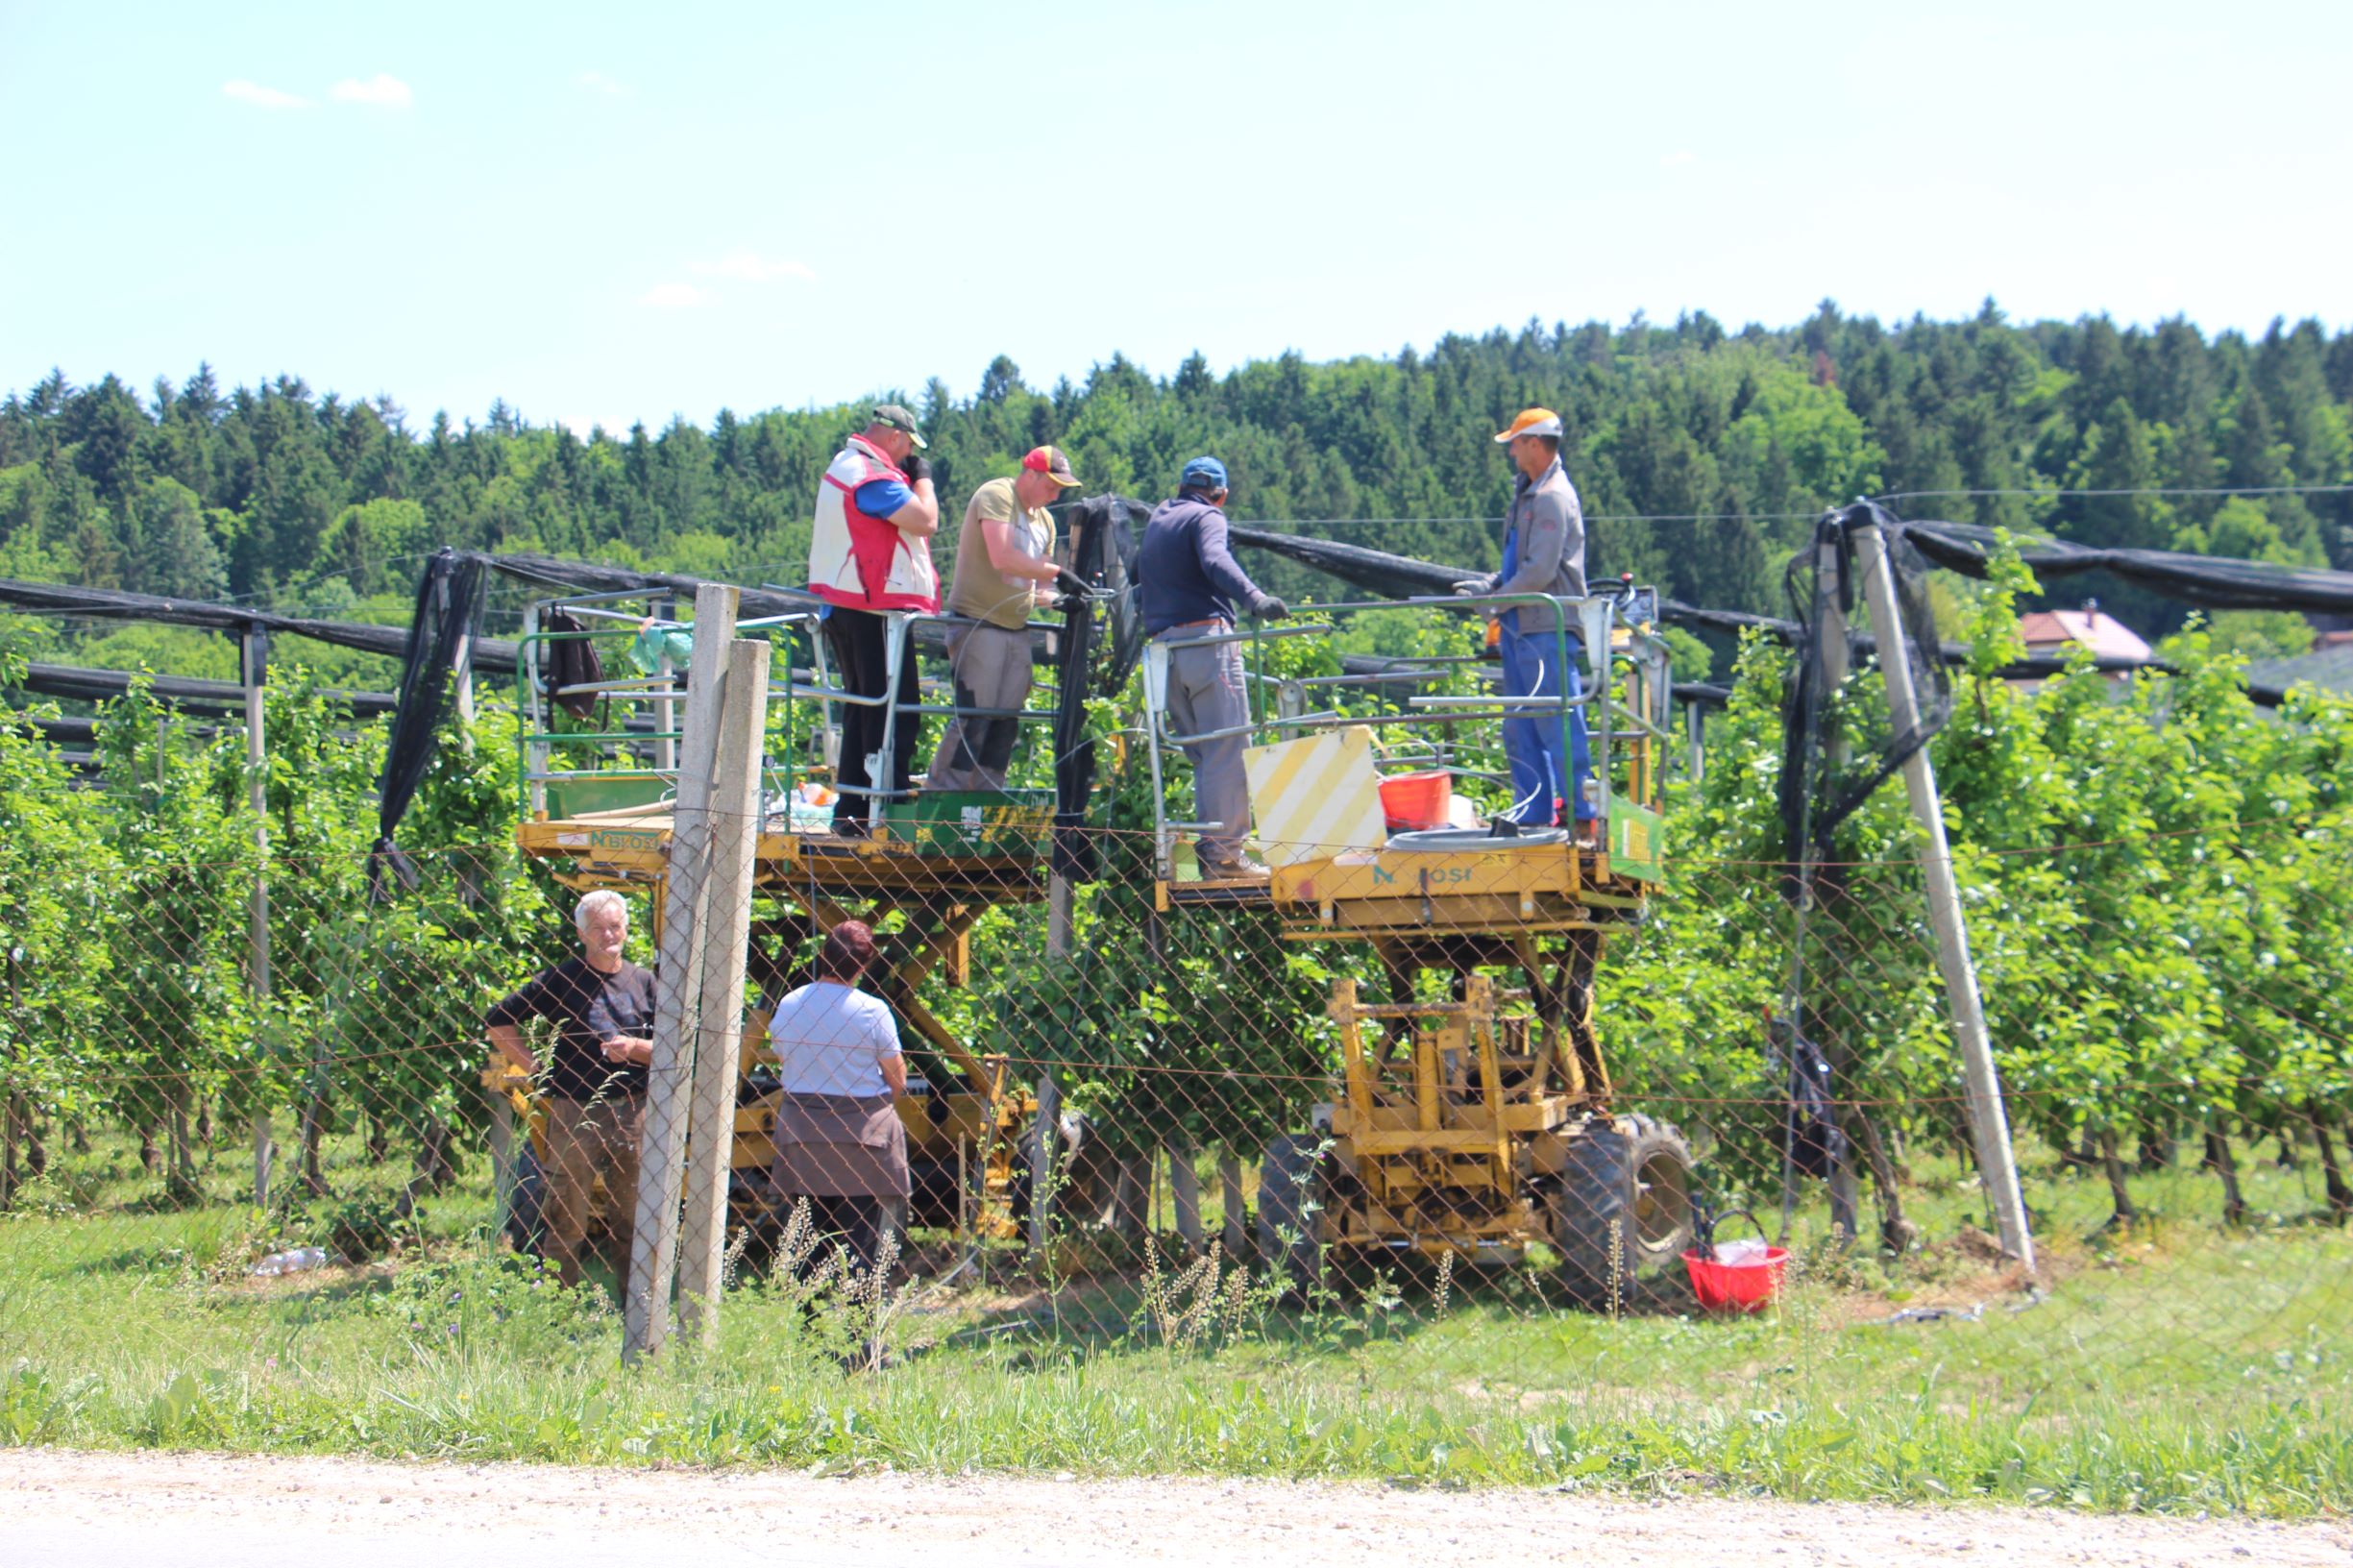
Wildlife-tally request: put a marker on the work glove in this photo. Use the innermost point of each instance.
(1070, 584)
(1270, 608)
(1471, 585)
(919, 467)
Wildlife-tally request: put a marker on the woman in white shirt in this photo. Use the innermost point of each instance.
(840, 1143)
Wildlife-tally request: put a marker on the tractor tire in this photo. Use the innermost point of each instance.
(1622, 1211)
(1292, 1191)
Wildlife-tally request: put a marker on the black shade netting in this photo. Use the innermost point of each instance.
(1838, 743)
(1100, 645)
(449, 602)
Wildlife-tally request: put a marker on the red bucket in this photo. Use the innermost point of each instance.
(1415, 801)
(1737, 1287)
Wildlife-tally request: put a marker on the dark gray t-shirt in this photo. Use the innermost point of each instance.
(588, 1007)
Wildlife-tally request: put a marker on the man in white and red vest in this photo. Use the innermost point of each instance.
(871, 552)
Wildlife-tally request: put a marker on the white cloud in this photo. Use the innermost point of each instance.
(381, 91)
(750, 267)
(673, 297)
(598, 82)
(1679, 159)
(261, 97)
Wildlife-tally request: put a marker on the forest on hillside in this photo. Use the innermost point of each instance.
(1702, 455)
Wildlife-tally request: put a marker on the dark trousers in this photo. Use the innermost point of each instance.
(858, 642)
(853, 1221)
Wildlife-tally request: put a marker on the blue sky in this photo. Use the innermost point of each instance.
(608, 213)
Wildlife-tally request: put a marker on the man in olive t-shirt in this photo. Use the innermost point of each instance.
(1004, 561)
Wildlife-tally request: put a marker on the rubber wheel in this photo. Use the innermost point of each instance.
(1622, 1211)
(1292, 1188)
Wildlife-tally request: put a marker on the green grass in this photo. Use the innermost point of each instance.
(2185, 1368)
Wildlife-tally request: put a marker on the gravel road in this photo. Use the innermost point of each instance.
(117, 1510)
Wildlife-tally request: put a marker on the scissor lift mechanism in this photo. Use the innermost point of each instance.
(936, 868)
(1477, 1125)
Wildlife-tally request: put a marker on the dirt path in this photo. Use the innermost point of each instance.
(98, 1511)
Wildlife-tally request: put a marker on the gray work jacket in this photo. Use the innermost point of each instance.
(1544, 535)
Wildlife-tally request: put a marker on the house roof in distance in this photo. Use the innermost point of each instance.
(2053, 630)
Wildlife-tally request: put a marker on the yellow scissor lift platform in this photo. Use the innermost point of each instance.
(1478, 1124)
(819, 881)
(938, 863)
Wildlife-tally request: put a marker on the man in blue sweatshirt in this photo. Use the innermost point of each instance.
(1189, 587)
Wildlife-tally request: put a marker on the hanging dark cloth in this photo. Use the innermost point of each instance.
(1823, 605)
(449, 603)
(1810, 1136)
(1099, 645)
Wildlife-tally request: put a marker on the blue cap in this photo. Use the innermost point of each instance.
(1203, 473)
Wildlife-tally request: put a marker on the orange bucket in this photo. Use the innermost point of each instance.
(1415, 801)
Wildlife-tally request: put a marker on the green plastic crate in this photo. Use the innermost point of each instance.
(995, 823)
(577, 797)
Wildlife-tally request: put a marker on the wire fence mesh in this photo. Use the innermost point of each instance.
(1137, 1120)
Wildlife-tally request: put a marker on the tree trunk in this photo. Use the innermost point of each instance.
(1131, 1191)
(2225, 1165)
(2332, 1174)
(8, 1153)
(314, 1133)
(380, 1140)
(2156, 1149)
(36, 1148)
(77, 1138)
(180, 1180)
(436, 1164)
(203, 1124)
(150, 1158)
(2113, 1163)
(1896, 1232)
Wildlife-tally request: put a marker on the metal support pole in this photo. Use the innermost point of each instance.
(1695, 732)
(677, 984)
(1184, 1194)
(1061, 907)
(666, 709)
(254, 662)
(1235, 1226)
(1989, 1122)
(726, 928)
(1044, 1138)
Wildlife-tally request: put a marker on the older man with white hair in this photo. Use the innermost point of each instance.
(602, 1006)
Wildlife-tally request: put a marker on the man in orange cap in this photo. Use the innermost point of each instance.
(1544, 552)
(1004, 561)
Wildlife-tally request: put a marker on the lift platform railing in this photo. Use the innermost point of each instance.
(648, 752)
(1625, 687)
(900, 638)
(803, 731)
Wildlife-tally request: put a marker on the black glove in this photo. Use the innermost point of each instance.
(1270, 608)
(919, 467)
(1070, 584)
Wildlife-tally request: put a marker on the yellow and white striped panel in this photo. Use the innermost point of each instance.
(1316, 797)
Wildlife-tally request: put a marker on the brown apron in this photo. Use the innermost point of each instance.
(837, 1146)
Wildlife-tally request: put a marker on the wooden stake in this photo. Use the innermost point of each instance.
(726, 928)
(677, 987)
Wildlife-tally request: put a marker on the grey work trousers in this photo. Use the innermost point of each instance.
(1206, 694)
(991, 666)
